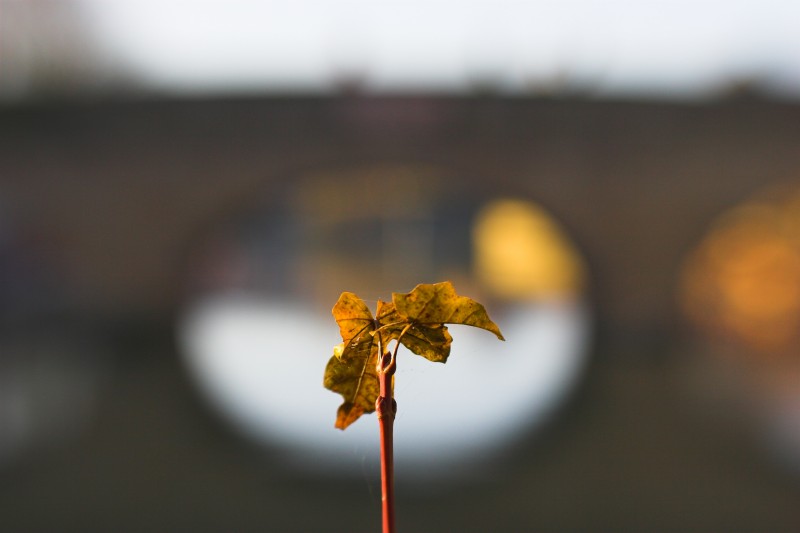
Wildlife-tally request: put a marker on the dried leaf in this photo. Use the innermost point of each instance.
(438, 303)
(430, 341)
(356, 379)
(417, 320)
(355, 325)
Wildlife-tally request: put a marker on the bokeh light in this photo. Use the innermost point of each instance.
(743, 281)
(521, 253)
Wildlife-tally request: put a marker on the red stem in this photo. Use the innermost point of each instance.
(386, 408)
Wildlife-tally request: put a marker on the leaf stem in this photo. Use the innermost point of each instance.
(386, 408)
(386, 326)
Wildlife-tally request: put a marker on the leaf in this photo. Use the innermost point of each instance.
(417, 320)
(387, 314)
(438, 303)
(356, 379)
(355, 325)
(430, 341)
(351, 371)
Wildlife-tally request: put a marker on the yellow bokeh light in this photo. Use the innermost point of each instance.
(522, 253)
(744, 278)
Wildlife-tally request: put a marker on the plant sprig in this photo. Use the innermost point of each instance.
(416, 320)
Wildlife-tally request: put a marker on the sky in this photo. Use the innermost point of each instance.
(678, 48)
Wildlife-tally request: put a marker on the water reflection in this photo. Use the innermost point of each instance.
(262, 363)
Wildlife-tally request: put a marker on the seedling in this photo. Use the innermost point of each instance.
(363, 366)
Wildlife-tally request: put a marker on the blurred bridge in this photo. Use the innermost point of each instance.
(104, 204)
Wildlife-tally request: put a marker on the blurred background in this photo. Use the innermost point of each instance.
(186, 188)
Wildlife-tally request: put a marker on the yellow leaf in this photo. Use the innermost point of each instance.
(438, 303)
(431, 341)
(356, 379)
(355, 325)
(416, 320)
(347, 414)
